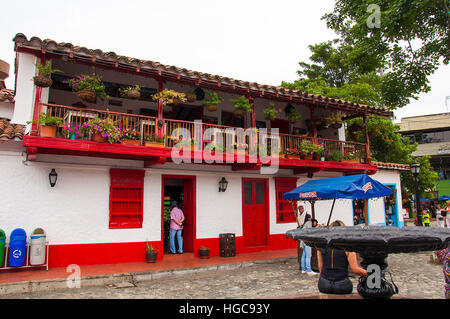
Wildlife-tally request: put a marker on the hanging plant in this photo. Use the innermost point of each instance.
(169, 97)
(293, 115)
(44, 78)
(88, 87)
(199, 93)
(131, 92)
(213, 101)
(270, 112)
(191, 97)
(334, 120)
(241, 105)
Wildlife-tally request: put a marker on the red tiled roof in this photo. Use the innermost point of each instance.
(10, 131)
(394, 166)
(111, 58)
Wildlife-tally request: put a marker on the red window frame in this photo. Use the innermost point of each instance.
(126, 198)
(285, 209)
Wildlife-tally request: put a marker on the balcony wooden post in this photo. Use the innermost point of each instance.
(315, 140)
(253, 116)
(159, 127)
(366, 134)
(37, 106)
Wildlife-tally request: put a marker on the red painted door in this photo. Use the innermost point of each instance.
(255, 222)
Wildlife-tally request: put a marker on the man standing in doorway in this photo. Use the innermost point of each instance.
(176, 227)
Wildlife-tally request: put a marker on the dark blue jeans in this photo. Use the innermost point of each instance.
(340, 287)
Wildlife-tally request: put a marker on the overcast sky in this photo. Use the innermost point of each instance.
(260, 41)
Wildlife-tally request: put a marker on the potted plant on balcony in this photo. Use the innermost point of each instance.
(240, 147)
(73, 131)
(153, 140)
(204, 252)
(88, 87)
(292, 153)
(212, 103)
(310, 150)
(47, 125)
(131, 137)
(131, 92)
(270, 112)
(44, 78)
(293, 115)
(169, 97)
(151, 253)
(103, 130)
(241, 105)
(213, 147)
(336, 156)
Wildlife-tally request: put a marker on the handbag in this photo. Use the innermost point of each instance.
(385, 291)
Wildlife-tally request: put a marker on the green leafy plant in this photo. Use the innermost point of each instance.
(169, 97)
(150, 248)
(214, 99)
(154, 138)
(270, 112)
(293, 114)
(88, 82)
(311, 148)
(215, 147)
(106, 127)
(242, 103)
(46, 70)
(73, 129)
(123, 92)
(203, 248)
(334, 119)
(47, 120)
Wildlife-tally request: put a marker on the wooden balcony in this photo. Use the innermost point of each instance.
(204, 134)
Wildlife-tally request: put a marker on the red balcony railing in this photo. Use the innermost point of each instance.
(173, 130)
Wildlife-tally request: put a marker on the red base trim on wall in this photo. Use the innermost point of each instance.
(115, 253)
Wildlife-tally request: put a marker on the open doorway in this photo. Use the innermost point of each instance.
(182, 190)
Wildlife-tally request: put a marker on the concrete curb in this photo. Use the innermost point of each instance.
(112, 279)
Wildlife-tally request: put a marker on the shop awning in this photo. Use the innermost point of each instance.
(350, 187)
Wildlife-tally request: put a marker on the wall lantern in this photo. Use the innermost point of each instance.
(52, 177)
(223, 185)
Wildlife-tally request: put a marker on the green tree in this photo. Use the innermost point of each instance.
(426, 179)
(408, 39)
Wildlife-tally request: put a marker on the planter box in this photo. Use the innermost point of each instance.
(204, 253)
(154, 144)
(151, 257)
(131, 142)
(351, 161)
(97, 137)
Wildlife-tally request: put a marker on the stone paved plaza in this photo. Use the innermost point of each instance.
(413, 273)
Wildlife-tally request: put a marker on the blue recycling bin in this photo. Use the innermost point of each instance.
(17, 247)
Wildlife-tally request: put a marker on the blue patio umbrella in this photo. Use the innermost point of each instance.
(359, 186)
(444, 197)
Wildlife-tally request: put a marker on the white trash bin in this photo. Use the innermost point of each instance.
(37, 247)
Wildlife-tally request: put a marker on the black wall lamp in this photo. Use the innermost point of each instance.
(52, 177)
(223, 185)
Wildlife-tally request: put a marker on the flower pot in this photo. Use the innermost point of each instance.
(42, 81)
(99, 138)
(73, 136)
(309, 157)
(368, 160)
(204, 253)
(351, 161)
(48, 131)
(239, 112)
(292, 156)
(133, 94)
(191, 97)
(336, 125)
(372, 133)
(212, 108)
(131, 142)
(87, 95)
(151, 256)
(154, 144)
(293, 120)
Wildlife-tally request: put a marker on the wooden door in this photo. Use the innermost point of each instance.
(255, 213)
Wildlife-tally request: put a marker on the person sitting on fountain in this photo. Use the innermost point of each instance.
(333, 267)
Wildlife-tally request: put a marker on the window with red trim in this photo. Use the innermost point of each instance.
(285, 209)
(126, 198)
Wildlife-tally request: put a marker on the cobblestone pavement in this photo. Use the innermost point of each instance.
(412, 273)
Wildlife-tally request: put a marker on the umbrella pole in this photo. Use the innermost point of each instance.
(313, 211)
(366, 215)
(329, 217)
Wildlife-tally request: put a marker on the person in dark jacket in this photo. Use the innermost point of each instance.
(333, 267)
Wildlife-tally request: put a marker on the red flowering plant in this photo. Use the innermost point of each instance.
(131, 135)
(106, 127)
(293, 152)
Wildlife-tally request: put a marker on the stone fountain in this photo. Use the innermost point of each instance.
(374, 243)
